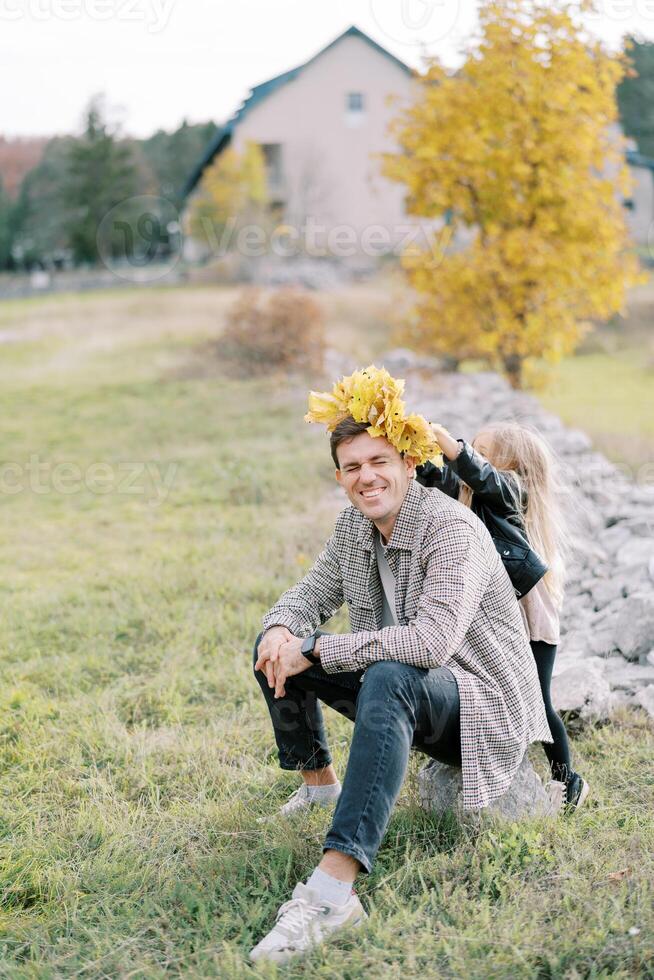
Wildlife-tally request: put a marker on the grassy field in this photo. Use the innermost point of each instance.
(136, 748)
(608, 388)
(611, 397)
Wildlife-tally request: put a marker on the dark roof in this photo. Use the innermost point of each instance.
(636, 159)
(224, 133)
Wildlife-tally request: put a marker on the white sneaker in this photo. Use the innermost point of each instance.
(305, 921)
(300, 801)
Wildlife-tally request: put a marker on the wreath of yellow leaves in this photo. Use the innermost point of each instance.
(373, 396)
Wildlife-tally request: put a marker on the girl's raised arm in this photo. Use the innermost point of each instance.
(441, 477)
(499, 489)
(451, 447)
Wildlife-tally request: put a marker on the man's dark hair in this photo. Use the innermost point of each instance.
(345, 430)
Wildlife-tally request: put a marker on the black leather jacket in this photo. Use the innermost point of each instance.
(496, 502)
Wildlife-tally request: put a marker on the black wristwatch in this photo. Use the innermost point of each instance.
(308, 647)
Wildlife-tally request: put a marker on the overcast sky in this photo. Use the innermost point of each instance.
(160, 61)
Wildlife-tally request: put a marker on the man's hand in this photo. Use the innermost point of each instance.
(268, 650)
(290, 661)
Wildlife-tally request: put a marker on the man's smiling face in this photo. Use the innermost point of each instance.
(375, 477)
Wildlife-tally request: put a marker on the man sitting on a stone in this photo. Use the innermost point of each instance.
(437, 657)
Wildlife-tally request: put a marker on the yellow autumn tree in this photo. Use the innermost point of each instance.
(232, 194)
(520, 149)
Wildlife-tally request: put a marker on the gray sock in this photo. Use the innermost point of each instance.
(329, 888)
(324, 793)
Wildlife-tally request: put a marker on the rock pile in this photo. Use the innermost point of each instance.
(606, 655)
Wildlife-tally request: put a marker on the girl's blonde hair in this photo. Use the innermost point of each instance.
(523, 452)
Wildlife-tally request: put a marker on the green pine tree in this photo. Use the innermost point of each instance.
(40, 214)
(102, 171)
(636, 96)
(172, 156)
(7, 208)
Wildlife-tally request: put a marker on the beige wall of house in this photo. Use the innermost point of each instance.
(640, 217)
(327, 152)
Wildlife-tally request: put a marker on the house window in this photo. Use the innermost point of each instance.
(272, 155)
(355, 101)
(354, 109)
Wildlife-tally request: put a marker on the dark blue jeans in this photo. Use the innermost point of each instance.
(395, 707)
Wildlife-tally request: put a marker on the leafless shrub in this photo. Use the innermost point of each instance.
(283, 330)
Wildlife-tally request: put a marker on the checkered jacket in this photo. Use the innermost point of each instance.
(455, 606)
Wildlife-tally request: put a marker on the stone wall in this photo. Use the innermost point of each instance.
(606, 655)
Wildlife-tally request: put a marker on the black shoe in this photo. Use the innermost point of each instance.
(576, 791)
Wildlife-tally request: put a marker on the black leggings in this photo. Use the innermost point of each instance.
(558, 751)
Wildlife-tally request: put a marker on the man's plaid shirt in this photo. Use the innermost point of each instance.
(455, 606)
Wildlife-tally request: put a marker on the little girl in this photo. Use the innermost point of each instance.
(508, 478)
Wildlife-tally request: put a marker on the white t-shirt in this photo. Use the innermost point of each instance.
(388, 583)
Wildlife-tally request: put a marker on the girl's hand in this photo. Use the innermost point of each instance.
(451, 448)
(438, 429)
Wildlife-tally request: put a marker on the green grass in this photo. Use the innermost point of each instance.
(136, 749)
(607, 389)
(611, 397)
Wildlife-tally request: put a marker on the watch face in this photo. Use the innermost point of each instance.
(308, 645)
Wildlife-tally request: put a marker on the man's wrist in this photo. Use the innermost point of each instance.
(277, 626)
(308, 647)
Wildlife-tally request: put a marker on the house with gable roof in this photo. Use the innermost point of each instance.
(322, 127)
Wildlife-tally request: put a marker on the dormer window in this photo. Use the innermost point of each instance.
(355, 111)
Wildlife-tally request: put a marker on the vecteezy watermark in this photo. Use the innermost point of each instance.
(371, 713)
(414, 22)
(150, 480)
(140, 239)
(312, 239)
(155, 14)
(620, 10)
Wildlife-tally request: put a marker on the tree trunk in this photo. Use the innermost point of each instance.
(450, 363)
(513, 369)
